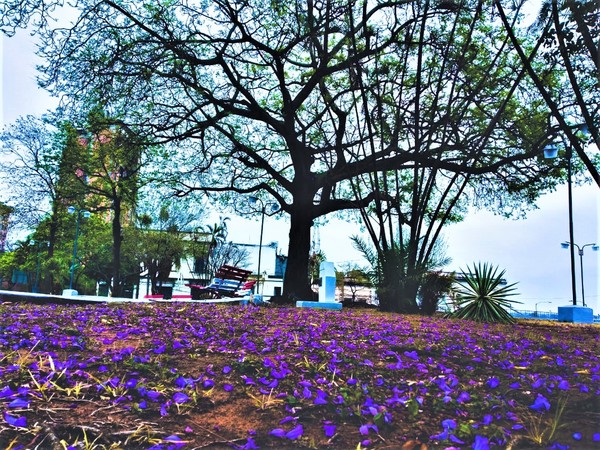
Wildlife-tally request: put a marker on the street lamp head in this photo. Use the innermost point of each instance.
(86, 214)
(565, 244)
(71, 209)
(273, 208)
(253, 200)
(550, 151)
(595, 247)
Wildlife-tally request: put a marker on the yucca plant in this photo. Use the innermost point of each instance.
(480, 295)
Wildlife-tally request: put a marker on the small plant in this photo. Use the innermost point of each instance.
(481, 295)
(542, 431)
(266, 401)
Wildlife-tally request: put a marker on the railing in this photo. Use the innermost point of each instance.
(542, 315)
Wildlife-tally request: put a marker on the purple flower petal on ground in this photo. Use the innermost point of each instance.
(540, 403)
(182, 382)
(18, 403)
(295, 433)
(131, 383)
(6, 391)
(456, 440)
(320, 398)
(180, 397)
(577, 436)
(226, 370)
(207, 384)
(463, 397)
(250, 445)
(440, 437)
(306, 393)
(563, 385)
(143, 404)
(481, 443)
(449, 424)
(278, 432)
(364, 430)
(412, 355)
(493, 383)
(15, 421)
(596, 437)
(329, 429)
(175, 440)
(227, 387)
(153, 395)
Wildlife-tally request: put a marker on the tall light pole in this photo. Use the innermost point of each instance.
(263, 209)
(580, 251)
(85, 214)
(539, 303)
(550, 152)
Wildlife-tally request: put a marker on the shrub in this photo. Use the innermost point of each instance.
(481, 295)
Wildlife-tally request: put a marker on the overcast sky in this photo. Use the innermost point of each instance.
(528, 249)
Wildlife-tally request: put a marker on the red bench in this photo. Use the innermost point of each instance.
(227, 281)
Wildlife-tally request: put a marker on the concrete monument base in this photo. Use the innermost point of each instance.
(319, 305)
(69, 293)
(575, 314)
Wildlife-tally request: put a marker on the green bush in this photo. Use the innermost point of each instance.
(481, 295)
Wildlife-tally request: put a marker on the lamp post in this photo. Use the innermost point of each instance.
(263, 209)
(536, 308)
(86, 214)
(550, 151)
(595, 248)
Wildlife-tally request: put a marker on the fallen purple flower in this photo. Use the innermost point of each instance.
(329, 429)
(481, 443)
(277, 432)
(540, 403)
(180, 397)
(18, 403)
(15, 421)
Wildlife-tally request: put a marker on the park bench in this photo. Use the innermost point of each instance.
(229, 281)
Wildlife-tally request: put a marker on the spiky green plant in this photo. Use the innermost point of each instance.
(481, 295)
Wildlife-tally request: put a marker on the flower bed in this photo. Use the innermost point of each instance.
(192, 376)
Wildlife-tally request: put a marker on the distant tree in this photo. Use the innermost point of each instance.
(34, 166)
(223, 251)
(107, 168)
(161, 247)
(355, 279)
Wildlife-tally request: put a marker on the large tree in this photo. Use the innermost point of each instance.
(466, 94)
(278, 97)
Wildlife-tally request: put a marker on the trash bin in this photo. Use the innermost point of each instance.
(166, 291)
(102, 289)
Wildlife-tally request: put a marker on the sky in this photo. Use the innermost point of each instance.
(528, 249)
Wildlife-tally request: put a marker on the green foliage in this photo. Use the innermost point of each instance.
(396, 280)
(482, 296)
(433, 287)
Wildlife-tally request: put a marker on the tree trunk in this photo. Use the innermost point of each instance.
(117, 285)
(295, 283)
